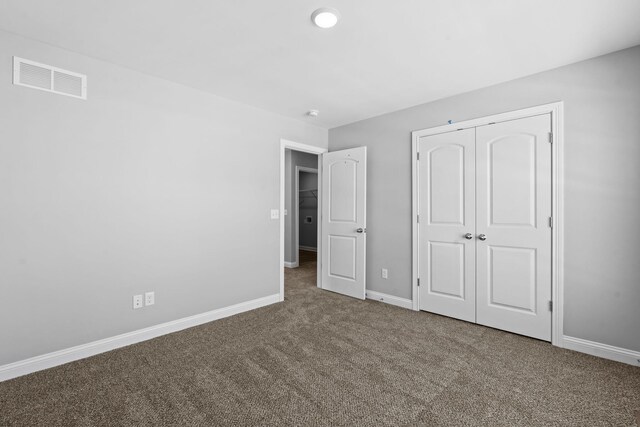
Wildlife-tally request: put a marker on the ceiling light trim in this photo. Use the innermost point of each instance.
(325, 17)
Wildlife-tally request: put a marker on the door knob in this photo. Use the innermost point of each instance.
(360, 230)
(482, 237)
(468, 236)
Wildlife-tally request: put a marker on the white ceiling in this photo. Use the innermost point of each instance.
(381, 57)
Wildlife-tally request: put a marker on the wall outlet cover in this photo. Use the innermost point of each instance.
(385, 273)
(149, 298)
(137, 301)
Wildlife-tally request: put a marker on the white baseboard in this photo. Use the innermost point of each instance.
(602, 350)
(308, 248)
(288, 264)
(390, 299)
(60, 357)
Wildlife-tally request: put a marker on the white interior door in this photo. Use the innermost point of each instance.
(513, 231)
(446, 250)
(344, 222)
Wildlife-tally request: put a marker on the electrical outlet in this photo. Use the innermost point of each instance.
(275, 214)
(137, 301)
(149, 298)
(385, 273)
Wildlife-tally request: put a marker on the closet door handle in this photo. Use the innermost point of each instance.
(360, 230)
(468, 236)
(482, 237)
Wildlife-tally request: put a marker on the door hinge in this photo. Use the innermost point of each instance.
(550, 305)
(418, 219)
(550, 222)
(550, 137)
(418, 155)
(418, 281)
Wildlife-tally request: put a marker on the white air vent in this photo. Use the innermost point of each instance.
(51, 79)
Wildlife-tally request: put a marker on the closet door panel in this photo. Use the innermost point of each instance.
(512, 231)
(446, 184)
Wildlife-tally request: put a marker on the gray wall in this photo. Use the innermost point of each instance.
(308, 208)
(129, 191)
(292, 159)
(602, 186)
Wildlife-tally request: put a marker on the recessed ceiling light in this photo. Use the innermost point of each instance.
(313, 113)
(325, 17)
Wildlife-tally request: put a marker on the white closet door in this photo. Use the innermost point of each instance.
(344, 221)
(446, 184)
(513, 233)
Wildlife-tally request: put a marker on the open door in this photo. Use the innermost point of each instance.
(344, 222)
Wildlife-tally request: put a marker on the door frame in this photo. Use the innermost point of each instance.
(296, 146)
(557, 200)
(296, 205)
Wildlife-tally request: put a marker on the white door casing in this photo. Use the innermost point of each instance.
(344, 221)
(446, 250)
(513, 196)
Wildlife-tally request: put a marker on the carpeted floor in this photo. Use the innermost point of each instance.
(323, 359)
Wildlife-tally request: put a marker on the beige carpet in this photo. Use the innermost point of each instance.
(323, 359)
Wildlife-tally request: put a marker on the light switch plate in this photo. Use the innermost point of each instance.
(275, 214)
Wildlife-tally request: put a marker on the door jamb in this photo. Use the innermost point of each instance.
(296, 146)
(556, 109)
(296, 209)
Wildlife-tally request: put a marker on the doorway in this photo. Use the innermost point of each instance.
(296, 159)
(306, 212)
(340, 258)
(301, 208)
